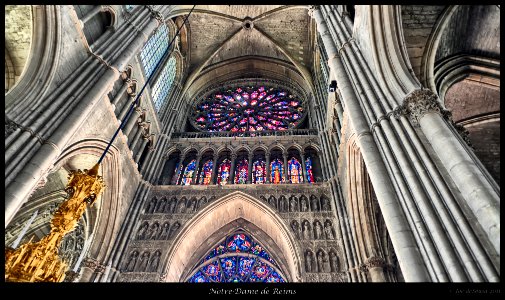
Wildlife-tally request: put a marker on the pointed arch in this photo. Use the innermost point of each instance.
(220, 213)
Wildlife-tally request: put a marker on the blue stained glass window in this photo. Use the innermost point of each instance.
(224, 172)
(276, 171)
(241, 172)
(154, 49)
(259, 172)
(237, 259)
(206, 173)
(308, 167)
(164, 83)
(295, 171)
(188, 173)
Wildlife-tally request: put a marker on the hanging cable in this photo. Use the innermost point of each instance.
(134, 103)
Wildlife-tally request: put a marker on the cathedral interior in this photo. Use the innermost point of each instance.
(256, 143)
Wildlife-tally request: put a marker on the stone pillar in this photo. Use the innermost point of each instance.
(375, 266)
(424, 110)
(267, 167)
(214, 170)
(131, 121)
(285, 175)
(232, 168)
(249, 168)
(120, 93)
(145, 140)
(304, 169)
(88, 269)
(401, 234)
(197, 168)
(136, 138)
(126, 106)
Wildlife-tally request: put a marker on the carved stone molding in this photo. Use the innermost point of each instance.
(10, 127)
(91, 263)
(100, 268)
(375, 262)
(418, 103)
(312, 9)
(463, 132)
(363, 268)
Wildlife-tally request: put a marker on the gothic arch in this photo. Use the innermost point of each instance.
(207, 148)
(219, 213)
(41, 66)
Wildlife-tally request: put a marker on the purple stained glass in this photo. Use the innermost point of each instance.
(248, 109)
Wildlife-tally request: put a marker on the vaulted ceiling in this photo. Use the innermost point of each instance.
(279, 36)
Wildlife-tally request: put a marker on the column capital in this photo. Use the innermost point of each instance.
(312, 9)
(375, 262)
(418, 103)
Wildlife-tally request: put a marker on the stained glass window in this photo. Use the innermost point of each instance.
(259, 172)
(308, 167)
(154, 49)
(253, 108)
(188, 174)
(206, 173)
(241, 172)
(237, 259)
(295, 171)
(276, 170)
(163, 84)
(224, 172)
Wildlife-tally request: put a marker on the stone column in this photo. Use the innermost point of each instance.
(249, 168)
(285, 175)
(135, 138)
(401, 234)
(88, 269)
(126, 106)
(214, 170)
(120, 93)
(375, 266)
(304, 169)
(145, 140)
(424, 110)
(197, 168)
(232, 168)
(267, 167)
(131, 121)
